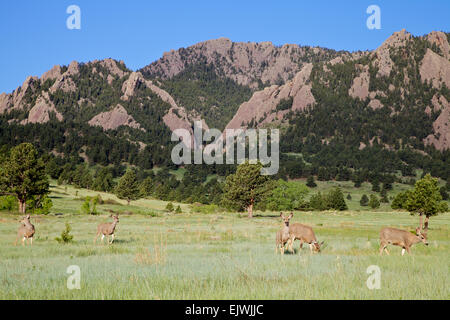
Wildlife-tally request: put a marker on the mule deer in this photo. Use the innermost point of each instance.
(401, 238)
(26, 231)
(107, 229)
(304, 233)
(283, 234)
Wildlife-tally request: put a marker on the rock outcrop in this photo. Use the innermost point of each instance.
(383, 60)
(40, 112)
(115, 118)
(262, 105)
(360, 85)
(435, 69)
(441, 126)
(440, 40)
(243, 62)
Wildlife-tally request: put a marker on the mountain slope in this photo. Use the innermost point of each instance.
(382, 110)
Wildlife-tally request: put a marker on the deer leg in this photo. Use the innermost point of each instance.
(23, 241)
(290, 244)
(310, 247)
(301, 244)
(408, 250)
(112, 238)
(385, 249)
(103, 236)
(31, 241)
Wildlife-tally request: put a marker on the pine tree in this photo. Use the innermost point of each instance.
(310, 182)
(335, 199)
(425, 199)
(23, 174)
(246, 187)
(128, 187)
(169, 207)
(374, 203)
(364, 201)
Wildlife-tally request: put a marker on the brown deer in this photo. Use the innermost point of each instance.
(107, 229)
(401, 238)
(304, 233)
(26, 230)
(283, 234)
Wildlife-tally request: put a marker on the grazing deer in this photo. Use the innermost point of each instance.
(283, 234)
(107, 229)
(26, 230)
(304, 233)
(401, 238)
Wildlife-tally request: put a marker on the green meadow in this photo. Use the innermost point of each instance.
(161, 255)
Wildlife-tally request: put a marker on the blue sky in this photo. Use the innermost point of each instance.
(34, 36)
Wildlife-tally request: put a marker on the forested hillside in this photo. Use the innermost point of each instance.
(361, 116)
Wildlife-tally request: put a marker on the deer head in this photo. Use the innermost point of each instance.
(286, 218)
(317, 246)
(422, 236)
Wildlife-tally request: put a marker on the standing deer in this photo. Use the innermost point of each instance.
(304, 233)
(107, 229)
(401, 238)
(26, 230)
(283, 234)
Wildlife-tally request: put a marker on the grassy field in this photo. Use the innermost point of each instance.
(157, 255)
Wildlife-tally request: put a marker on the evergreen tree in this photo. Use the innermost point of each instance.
(375, 186)
(364, 201)
(425, 199)
(310, 182)
(318, 202)
(246, 187)
(400, 199)
(146, 187)
(169, 207)
(23, 174)
(335, 199)
(374, 203)
(128, 187)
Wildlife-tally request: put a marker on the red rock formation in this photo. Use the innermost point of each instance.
(114, 119)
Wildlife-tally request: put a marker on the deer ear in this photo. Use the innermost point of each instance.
(291, 215)
(281, 214)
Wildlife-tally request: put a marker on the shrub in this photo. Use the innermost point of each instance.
(310, 182)
(288, 195)
(364, 201)
(8, 203)
(90, 206)
(374, 203)
(178, 210)
(66, 237)
(400, 199)
(318, 202)
(206, 209)
(169, 207)
(334, 199)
